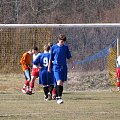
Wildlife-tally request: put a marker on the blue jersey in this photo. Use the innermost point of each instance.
(42, 60)
(59, 54)
(45, 78)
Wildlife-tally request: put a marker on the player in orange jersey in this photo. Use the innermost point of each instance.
(26, 67)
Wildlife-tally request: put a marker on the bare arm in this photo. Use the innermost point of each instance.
(49, 66)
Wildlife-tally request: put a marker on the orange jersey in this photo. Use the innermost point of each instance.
(25, 61)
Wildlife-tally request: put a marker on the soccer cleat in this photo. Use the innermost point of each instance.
(49, 96)
(29, 92)
(45, 98)
(54, 97)
(115, 90)
(59, 100)
(33, 92)
(23, 90)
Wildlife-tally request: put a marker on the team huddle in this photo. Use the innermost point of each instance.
(51, 68)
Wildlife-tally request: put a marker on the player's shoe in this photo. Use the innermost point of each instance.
(59, 100)
(29, 92)
(33, 92)
(49, 96)
(114, 90)
(54, 97)
(45, 98)
(23, 90)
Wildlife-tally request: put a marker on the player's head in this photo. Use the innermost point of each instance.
(30, 51)
(61, 39)
(46, 48)
(34, 49)
(50, 44)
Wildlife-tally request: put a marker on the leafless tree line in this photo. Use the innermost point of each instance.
(59, 11)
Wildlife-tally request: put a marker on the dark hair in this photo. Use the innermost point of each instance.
(62, 37)
(46, 47)
(35, 48)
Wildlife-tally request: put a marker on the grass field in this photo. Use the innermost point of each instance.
(90, 105)
(103, 105)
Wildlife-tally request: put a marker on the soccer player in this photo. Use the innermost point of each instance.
(59, 53)
(54, 89)
(50, 44)
(26, 67)
(118, 73)
(35, 69)
(45, 78)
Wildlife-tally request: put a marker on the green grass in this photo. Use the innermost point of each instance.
(92, 105)
(104, 105)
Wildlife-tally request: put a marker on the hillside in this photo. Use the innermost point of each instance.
(59, 11)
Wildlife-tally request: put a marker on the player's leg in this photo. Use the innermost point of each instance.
(61, 76)
(34, 75)
(118, 84)
(28, 78)
(24, 85)
(58, 74)
(118, 79)
(46, 91)
(32, 82)
(59, 91)
(50, 82)
(43, 81)
(25, 88)
(50, 92)
(54, 91)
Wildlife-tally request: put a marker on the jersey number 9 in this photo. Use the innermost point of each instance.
(45, 61)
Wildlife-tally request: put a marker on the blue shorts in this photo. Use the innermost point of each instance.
(60, 72)
(46, 78)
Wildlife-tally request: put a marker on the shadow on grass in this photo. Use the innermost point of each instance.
(67, 92)
(85, 98)
(5, 93)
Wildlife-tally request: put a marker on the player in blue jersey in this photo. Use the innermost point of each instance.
(59, 53)
(45, 78)
(54, 92)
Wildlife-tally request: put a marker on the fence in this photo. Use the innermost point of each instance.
(15, 41)
(90, 44)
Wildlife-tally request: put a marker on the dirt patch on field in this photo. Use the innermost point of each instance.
(76, 82)
(87, 81)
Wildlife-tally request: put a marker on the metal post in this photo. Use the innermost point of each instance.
(118, 47)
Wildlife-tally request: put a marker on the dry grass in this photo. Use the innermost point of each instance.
(77, 106)
(94, 105)
(84, 81)
(13, 82)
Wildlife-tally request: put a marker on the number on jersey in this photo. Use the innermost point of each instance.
(45, 61)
